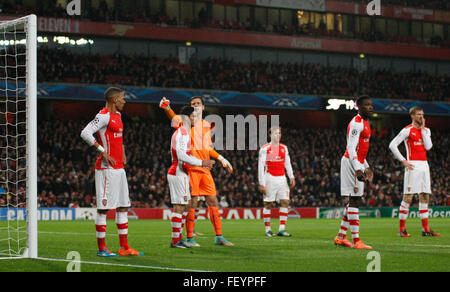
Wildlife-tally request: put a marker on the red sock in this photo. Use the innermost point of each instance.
(123, 235)
(183, 222)
(122, 226)
(176, 223)
(402, 225)
(101, 230)
(425, 226)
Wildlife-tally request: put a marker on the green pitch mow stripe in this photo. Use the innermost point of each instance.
(310, 248)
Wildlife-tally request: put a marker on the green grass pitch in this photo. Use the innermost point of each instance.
(309, 249)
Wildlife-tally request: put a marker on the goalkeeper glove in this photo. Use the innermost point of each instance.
(225, 163)
(164, 104)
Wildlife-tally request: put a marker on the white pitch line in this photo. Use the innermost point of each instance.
(109, 264)
(123, 265)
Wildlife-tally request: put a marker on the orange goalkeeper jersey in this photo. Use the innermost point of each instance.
(200, 141)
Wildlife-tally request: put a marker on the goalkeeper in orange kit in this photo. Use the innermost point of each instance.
(200, 179)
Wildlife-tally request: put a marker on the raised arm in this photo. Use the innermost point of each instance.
(165, 105)
(426, 136)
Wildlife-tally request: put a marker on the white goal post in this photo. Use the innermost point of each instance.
(18, 137)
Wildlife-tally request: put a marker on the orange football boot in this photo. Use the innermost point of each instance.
(361, 245)
(342, 242)
(129, 252)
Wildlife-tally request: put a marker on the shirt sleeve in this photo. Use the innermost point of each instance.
(393, 146)
(181, 149)
(426, 136)
(288, 165)
(261, 166)
(99, 122)
(352, 143)
(366, 164)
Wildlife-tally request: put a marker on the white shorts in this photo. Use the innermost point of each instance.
(276, 188)
(111, 188)
(350, 185)
(418, 180)
(179, 189)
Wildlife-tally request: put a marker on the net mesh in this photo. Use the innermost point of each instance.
(13, 227)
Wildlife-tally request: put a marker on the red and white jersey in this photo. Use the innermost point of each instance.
(358, 139)
(417, 143)
(109, 129)
(275, 160)
(181, 154)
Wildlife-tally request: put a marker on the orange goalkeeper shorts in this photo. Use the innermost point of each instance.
(202, 183)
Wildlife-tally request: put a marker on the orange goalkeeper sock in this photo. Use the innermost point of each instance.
(190, 223)
(214, 216)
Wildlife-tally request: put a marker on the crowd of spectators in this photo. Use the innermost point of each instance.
(62, 65)
(66, 167)
(104, 13)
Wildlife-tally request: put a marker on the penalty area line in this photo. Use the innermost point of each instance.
(122, 265)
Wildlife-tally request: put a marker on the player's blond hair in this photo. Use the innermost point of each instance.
(415, 109)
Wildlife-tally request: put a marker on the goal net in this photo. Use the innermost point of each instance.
(18, 131)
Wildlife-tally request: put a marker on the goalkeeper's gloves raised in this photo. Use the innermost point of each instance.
(164, 104)
(225, 163)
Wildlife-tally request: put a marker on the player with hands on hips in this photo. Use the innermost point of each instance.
(110, 178)
(355, 171)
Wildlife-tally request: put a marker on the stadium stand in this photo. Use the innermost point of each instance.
(202, 20)
(61, 65)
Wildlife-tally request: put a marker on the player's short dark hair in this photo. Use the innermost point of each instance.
(360, 99)
(195, 97)
(415, 109)
(111, 92)
(187, 110)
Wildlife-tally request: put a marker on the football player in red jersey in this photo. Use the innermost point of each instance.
(355, 171)
(417, 139)
(273, 163)
(110, 178)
